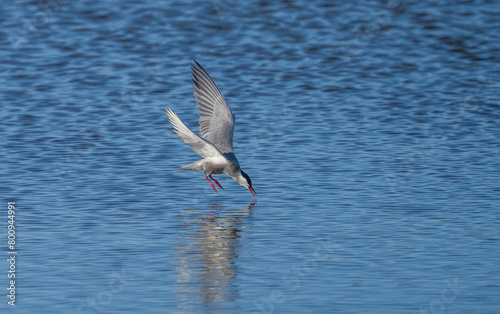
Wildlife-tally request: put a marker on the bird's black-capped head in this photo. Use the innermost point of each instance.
(247, 183)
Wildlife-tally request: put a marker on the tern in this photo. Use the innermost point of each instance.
(216, 129)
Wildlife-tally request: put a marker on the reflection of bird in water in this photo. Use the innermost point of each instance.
(206, 260)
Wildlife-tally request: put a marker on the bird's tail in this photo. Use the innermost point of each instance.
(194, 166)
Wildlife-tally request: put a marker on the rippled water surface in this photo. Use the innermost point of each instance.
(370, 130)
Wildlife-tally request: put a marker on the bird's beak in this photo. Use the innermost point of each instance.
(252, 191)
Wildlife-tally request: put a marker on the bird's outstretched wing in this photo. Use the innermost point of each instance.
(216, 118)
(201, 146)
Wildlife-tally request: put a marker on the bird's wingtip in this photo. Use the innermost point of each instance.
(170, 113)
(196, 65)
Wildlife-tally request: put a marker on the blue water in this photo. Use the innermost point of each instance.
(370, 130)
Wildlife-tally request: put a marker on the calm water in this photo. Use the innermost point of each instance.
(370, 130)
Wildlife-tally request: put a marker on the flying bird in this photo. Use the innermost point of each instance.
(216, 129)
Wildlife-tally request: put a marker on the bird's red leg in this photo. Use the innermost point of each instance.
(213, 187)
(216, 182)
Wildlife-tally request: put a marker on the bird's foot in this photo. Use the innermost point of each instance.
(211, 184)
(216, 182)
